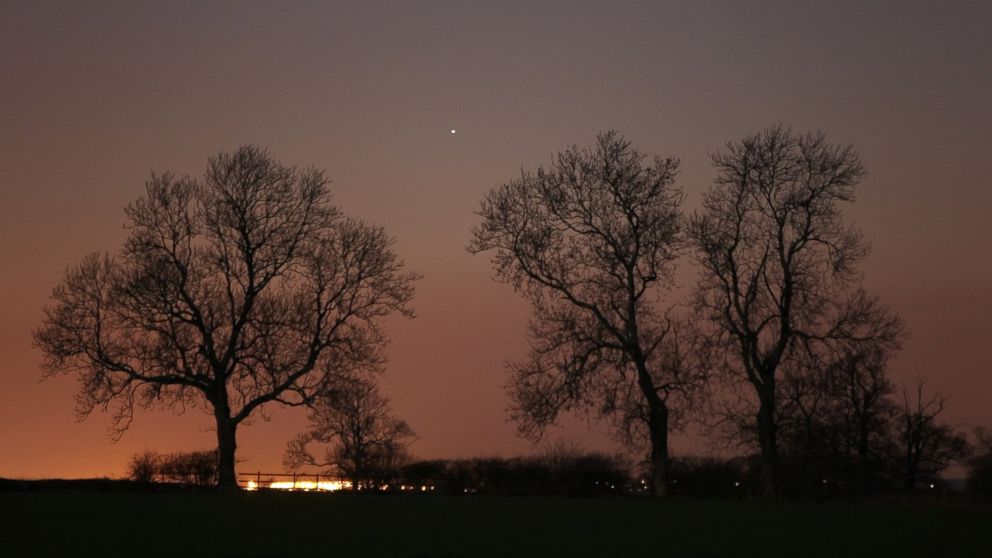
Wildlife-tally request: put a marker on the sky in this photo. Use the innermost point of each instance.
(94, 97)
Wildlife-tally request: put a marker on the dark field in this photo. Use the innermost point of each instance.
(70, 523)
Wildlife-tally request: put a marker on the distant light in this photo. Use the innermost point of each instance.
(453, 130)
(932, 485)
(305, 485)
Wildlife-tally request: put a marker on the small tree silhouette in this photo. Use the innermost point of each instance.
(366, 443)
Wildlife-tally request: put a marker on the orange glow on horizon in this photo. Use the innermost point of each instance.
(304, 485)
(325, 486)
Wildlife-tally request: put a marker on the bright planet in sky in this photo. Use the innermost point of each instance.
(452, 130)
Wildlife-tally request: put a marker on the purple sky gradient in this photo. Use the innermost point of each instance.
(94, 97)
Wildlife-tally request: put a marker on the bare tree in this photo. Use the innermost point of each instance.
(927, 447)
(238, 290)
(778, 265)
(367, 443)
(592, 242)
(804, 399)
(836, 415)
(862, 411)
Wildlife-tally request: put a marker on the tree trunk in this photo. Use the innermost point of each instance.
(658, 429)
(909, 482)
(767, 434)
(909, 458)
(864, 479)
(227, 480)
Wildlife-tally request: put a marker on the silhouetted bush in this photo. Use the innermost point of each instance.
(980, 466)
(980, 477)
(143, 466)
(574, 475)
(710, 477)
(425, 472)
(197, 468)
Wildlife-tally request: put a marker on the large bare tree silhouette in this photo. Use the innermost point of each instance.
(592, 243)
(779, 266)
(242, 289)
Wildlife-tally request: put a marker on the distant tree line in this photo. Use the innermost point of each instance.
(560, 469)
(862, 438)
(581, 474)
(566, 470)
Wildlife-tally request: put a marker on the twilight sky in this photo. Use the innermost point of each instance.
(94, 97)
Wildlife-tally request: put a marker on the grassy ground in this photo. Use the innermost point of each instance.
(67, 523)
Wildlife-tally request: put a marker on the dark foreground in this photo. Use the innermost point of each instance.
(70, 523)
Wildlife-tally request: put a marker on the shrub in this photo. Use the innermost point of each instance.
(143, 466)
(195, 467)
